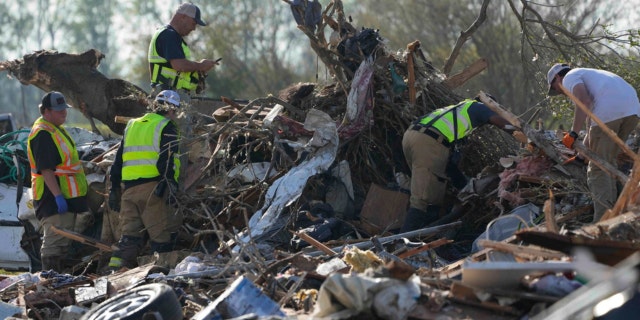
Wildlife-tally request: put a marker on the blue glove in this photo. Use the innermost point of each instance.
(62, 204)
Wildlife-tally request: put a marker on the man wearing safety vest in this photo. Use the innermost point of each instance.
(58, 181)
(170, 64)
(147, 167)
(427, 145)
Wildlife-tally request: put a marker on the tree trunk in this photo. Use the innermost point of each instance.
(77, 78)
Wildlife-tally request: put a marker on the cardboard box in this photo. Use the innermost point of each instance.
(383, 209)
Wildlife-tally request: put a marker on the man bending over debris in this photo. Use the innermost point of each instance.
(170, 63)
(612, 100)
(58, 181)
(427, 146)
(147, 164)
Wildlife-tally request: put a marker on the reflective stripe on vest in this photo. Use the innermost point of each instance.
(70, 174)
(141, 149)
(161, 71)
(446, 123)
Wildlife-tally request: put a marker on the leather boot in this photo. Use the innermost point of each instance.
(129, 248)
(161, 247)
(52, 263)
(417, 218)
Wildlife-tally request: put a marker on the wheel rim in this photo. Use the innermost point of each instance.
(125, 305)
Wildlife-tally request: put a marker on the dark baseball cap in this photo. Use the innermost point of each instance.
(55, 101)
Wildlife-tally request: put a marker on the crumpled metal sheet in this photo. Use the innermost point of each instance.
(287, 189)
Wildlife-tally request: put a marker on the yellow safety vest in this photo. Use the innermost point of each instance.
(71, 178)
(446, 123)
(141, 149)
(161, 71)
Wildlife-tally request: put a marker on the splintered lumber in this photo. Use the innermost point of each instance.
(425, 247)
(454, 269)
(550, 213)
(626, 195)
(319, 245)
(609, 252)
(411, 73)
(521, 251)
(84, 239)
(466, 295)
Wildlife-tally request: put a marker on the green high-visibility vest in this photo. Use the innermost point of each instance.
(141, 149)
(446, 123)
(161, 71)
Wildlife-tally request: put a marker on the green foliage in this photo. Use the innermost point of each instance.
(263, 52)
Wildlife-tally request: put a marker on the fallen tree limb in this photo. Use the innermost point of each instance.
(463, 76)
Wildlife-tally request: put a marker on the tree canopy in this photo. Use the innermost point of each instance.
(263, 51)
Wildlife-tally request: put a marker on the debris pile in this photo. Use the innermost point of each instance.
(292, 206)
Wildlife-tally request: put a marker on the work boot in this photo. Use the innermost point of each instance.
(127, 253)
(52, 263)
(417, 218)
(161, 247)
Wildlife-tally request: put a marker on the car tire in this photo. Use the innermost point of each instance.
(146, 301)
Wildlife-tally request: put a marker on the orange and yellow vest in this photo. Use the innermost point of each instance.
(70, 174)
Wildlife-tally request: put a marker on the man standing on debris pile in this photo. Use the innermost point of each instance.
(58, 181)
(615, 103)
(428, 145)
(147, 165)
(170, 63)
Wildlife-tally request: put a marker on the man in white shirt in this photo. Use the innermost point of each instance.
(612, 100)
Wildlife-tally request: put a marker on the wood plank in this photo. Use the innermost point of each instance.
(84, 239)
(521, 250)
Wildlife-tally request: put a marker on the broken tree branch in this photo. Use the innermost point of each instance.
(469, 72)
(464, 36)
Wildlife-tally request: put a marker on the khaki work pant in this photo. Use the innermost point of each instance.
(141, 211)
(427, 159)
(601, 184)
(54, 244)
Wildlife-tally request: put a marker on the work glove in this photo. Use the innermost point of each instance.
(114, 199)
(576, 159)
(61, 202)
(569, 138)
(520, 136)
